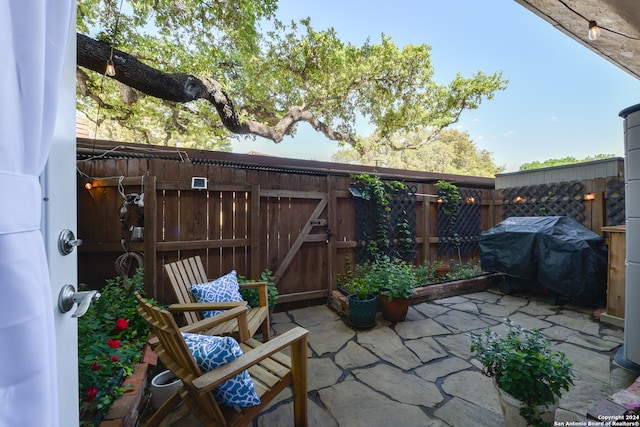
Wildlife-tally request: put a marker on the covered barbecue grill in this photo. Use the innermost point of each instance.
(555, 252)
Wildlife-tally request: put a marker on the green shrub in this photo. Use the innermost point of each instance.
(251, 295)
(523, 365)
(392, 278)
(111, 336)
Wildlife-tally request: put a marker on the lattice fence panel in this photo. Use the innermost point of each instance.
(615, 202)
(395, 235)
(561, 199)
(467, 227)
(366, 227)
(402, 227)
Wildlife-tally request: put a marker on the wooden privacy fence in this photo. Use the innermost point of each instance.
(295, 218)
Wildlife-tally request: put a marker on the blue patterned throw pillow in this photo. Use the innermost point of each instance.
(223, 289)
(211, 352)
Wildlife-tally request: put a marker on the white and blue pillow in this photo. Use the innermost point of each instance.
(223, 289)
(211, 352)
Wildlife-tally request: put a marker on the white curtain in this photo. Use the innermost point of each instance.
(33, 43)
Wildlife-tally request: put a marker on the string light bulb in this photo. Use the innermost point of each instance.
(111, 69)
(594, 30)
(88, 185)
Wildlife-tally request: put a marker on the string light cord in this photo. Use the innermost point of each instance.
(110, 70)
(590, 21)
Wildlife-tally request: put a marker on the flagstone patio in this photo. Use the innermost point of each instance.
(421, 373)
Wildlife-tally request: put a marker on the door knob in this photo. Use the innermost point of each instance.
(68, 297)
(67, 242)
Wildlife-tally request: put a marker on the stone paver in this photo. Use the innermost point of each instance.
(421, 372)
(529, 322)
(355, 356)
(405, 388)
(456, 344)
(441, 368)
(513, 301)
(386, 344)
(354, 404)
(314, 316)
(577, 399)
(461, 321)
(581, 324)
(587, 363)
(427, 349)
(329, 337)
(467, 306)
(559, 333)
(283, 414)
(490, 297)
(323, 372)
(431, 310)
(460, 412)
(472, 386)
(420, 328)
(496, 310)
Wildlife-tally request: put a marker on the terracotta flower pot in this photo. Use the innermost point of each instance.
(394, 310)
(442, 270)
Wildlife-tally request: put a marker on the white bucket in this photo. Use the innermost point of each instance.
(163, 386)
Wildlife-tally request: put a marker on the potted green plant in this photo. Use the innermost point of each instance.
(528, 376)
(394, 280)
(363, 301)
(441, 269)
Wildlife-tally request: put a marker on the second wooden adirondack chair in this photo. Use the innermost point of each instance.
(187, 272)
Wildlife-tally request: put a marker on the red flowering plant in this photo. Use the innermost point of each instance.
(111, 336)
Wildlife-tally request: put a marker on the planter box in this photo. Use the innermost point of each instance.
(338, 301)
(125, 410)
(455, 287)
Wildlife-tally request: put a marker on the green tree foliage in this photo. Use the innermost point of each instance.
(564, 161)
(448, 151)
(197, 73)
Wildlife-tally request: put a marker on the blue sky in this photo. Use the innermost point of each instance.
(561, 100)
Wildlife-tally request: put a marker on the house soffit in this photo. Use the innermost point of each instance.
(622, 16)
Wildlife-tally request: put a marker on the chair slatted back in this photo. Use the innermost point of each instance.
(270, 369)
(182, 275)
(175, 355)
(166, 329)
(187, 272)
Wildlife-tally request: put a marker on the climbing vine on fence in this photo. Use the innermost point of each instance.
(385, 219)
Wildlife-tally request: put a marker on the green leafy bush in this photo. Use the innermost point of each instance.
(111, 336)
(354, 282)
(251, 295)
(392, 278)
(523, 365)
(426, 272)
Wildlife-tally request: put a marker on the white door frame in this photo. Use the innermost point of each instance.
(59, 213)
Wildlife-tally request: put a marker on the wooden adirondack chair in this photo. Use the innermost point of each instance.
(187, 272)
(271, 371)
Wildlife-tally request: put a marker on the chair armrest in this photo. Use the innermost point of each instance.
(205, 306)
(252, 284)
(239, 313)
(262, 291)
(213, 379)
